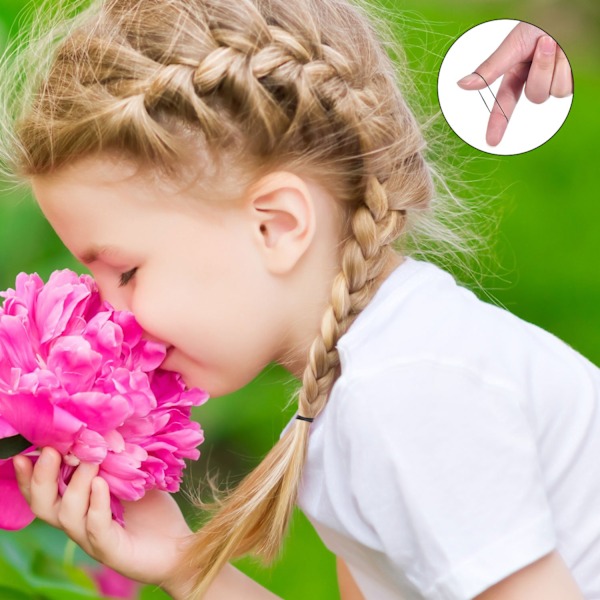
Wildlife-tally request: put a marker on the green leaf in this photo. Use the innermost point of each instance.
(41, 575)
(151, 592)
(54, 591)
(45, 567)
(11, 594)
(11, 577)
(11, 446)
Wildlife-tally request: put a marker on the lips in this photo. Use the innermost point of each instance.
(167, 356)
(164, 365)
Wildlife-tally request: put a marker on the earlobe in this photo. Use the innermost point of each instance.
(283, 219)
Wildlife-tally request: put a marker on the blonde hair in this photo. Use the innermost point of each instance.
(305, 84)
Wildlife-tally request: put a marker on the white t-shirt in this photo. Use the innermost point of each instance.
(459, 445)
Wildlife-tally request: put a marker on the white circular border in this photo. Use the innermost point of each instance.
(530, 126)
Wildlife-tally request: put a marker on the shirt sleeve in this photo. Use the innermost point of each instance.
(443, 466)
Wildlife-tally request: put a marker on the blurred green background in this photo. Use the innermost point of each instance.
(542, 266)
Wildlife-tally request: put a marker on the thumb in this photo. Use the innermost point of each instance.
(518, 46)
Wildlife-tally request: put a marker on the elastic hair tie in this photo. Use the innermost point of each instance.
(492, 93)
(309, 419)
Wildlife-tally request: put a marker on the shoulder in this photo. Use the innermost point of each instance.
(444, 407)
(429, 318)
(441, 464)
(429, 419)
(409, 389)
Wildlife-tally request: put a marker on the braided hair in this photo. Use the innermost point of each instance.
(305, 84)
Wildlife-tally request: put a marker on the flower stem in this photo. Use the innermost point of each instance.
(69, 554)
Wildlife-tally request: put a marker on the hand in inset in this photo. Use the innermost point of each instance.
(527, 57)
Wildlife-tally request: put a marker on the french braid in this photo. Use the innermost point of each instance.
(302, 84)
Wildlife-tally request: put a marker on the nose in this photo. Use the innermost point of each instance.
(120, 299)
(116, 297)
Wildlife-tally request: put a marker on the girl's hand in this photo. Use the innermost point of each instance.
(146, 550)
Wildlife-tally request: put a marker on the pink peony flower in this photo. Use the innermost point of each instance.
(75, 374)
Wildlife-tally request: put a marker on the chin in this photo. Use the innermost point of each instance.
(193, 378)
(212, 383)
(212, 380)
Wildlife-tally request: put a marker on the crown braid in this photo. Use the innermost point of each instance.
(306, 86)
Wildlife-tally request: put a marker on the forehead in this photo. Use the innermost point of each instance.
(100, 206)
(208, 184)
(101, 172)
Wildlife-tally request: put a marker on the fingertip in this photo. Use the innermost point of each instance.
(21, 464)
(99, 484)
(547, 45)
(494, 137)
(471, 82)
(48, 455)
(23, 470)
(464, 81)
(100, 498)
(99, 513)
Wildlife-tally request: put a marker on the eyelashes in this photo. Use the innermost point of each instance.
(126, 277)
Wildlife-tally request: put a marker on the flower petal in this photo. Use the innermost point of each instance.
(16, 345)
(75, 363)
(14, 510)
(39, 421)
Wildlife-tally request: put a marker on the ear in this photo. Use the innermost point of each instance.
(283, 218)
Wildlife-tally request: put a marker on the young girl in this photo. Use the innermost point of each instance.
(242, 174)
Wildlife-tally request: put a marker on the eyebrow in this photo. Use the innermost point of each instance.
(92, 254)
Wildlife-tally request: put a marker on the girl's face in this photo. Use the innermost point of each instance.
(197, 277)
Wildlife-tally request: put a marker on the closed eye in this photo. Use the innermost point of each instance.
(126, 277)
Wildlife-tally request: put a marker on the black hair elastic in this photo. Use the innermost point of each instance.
(309, 419)
(492, 93)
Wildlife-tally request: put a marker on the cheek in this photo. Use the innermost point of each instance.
(170, 310)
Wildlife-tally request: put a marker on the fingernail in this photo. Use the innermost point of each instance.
(468, 80)
(547, 44)
(45, 455)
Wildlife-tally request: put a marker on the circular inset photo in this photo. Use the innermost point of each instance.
(505, 87)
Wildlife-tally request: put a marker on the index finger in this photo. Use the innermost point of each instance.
(43, 486)
(23, 470)
(517, 47)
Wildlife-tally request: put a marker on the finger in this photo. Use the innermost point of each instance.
(515, 48)
(562, 79)
(23, 471)
(44, 486)
(101, 528)
(507, 97)
(539, 80)
(76, 501)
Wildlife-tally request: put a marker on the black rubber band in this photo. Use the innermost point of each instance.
(309, 419)
(492, 93)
